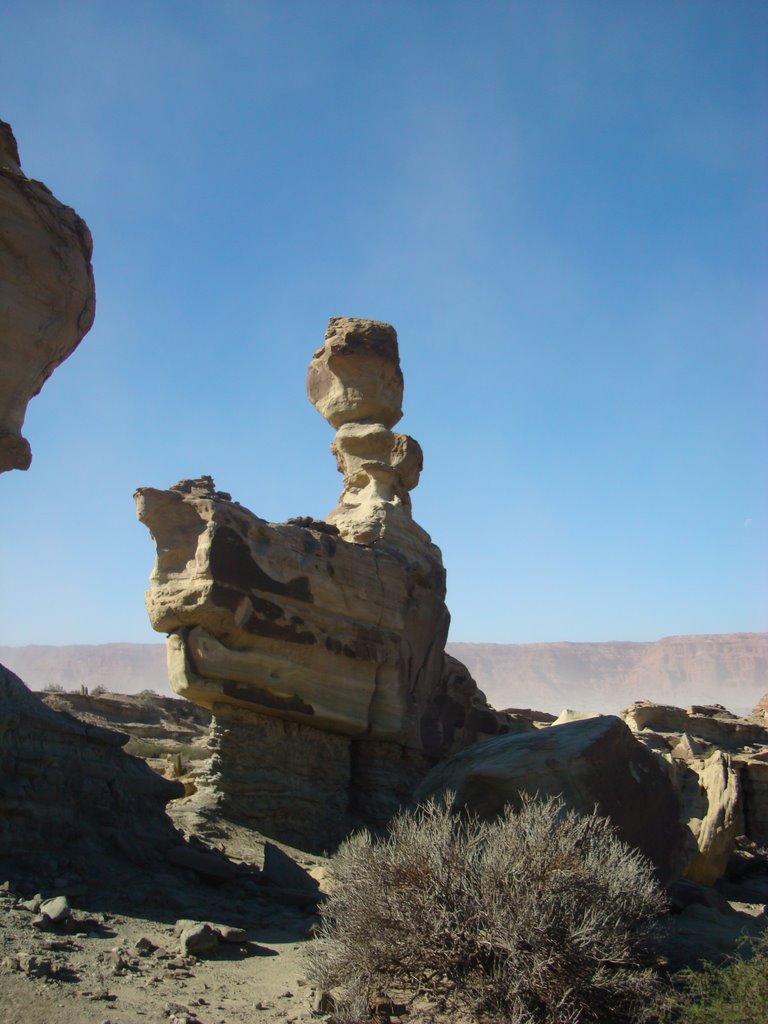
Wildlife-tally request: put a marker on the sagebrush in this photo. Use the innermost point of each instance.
(539, 916)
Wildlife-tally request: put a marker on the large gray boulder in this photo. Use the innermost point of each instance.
(592, 764)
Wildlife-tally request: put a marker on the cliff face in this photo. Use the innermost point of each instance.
(730, 669)
(47, 296)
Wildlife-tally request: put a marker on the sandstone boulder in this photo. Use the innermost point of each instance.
(355, 376)
(591, 763)
(47, 302)
(712, 809)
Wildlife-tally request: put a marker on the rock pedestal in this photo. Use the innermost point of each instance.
(317, 646)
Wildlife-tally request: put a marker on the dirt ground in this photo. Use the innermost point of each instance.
(117, 958)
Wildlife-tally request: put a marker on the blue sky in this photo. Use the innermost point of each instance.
(560, 206)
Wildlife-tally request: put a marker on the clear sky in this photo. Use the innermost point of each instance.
(561, 206)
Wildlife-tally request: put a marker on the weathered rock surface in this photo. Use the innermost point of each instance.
(712, 724)
(47, 297)
(594, 762)
(760, 710)
(718, 764)
(319, 647)
(68, 790)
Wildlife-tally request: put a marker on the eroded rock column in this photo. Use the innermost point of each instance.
(317, 646)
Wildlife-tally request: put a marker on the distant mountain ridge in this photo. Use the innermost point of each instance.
(725, 668)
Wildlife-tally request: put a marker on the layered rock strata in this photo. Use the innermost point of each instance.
(317, 645)
(68, 790)
(47, 297)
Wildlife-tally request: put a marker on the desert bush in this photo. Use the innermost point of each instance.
(53, 688)
(539, 916)
(735, 993)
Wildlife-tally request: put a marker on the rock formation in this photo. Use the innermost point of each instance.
(317, 646)
(69, 792)
(47, 300)
(760, 710)
(594, 762)
(718, 763)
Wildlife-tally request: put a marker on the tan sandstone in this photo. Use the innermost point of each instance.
(319, 647)
(48, 296)
(717, 763)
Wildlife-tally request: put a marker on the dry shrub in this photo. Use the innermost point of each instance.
(539, 916)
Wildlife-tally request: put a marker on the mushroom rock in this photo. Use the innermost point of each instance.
(318, 646)
(47, 297)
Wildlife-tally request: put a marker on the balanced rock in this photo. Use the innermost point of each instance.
(356, 377)
(48, 297)
(319, 647)
(355, 382)
(590, 763)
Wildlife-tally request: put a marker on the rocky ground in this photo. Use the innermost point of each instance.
(134, 949)
(122, 955)
(222, 940)
(162, 730)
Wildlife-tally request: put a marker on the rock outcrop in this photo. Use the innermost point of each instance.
(718, 764)
(69, 792)
(590, 763)
(317, 645)
(760, 710)
(47, 297)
